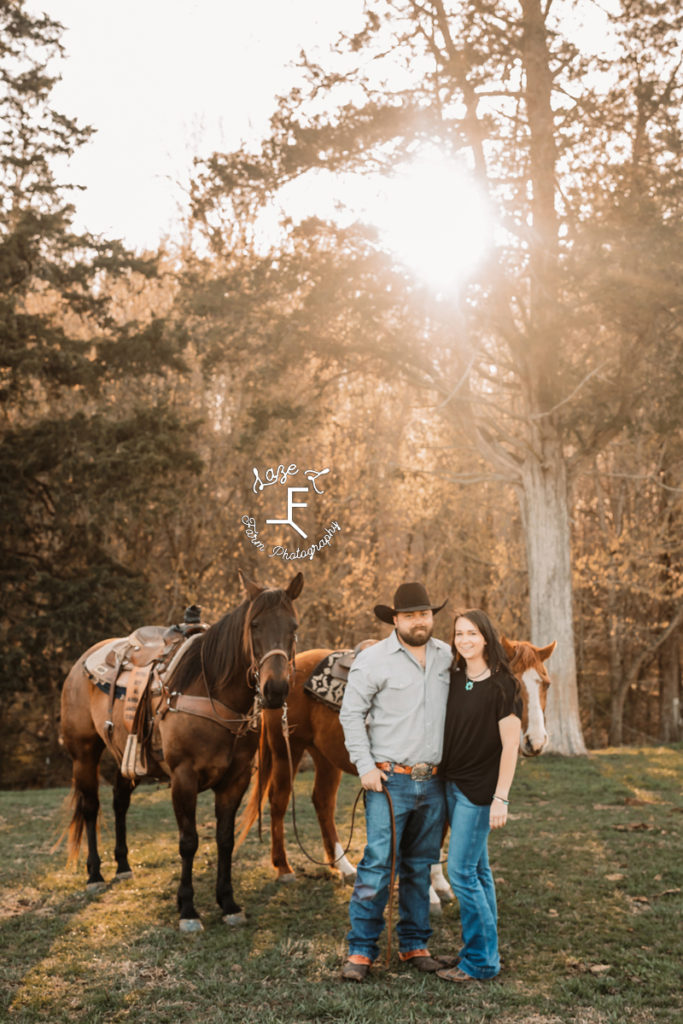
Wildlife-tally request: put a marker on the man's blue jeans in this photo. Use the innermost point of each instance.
(472, 881)
(419, 814)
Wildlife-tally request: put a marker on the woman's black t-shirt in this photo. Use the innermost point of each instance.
(472, 747)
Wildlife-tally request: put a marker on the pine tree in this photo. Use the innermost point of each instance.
(90, 448)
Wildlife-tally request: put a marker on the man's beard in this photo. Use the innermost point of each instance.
(416, 636)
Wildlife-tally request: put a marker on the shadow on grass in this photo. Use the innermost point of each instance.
(588, 876)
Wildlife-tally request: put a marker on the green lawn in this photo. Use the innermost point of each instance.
(589, 885)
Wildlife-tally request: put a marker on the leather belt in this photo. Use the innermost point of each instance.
(418, 772)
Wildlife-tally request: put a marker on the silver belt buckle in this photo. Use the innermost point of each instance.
(421, 772)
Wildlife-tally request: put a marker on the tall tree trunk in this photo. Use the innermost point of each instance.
(616, 714)
(670, 718)
(670, 729)
(612, 615)
(544, 486)
(544, 501)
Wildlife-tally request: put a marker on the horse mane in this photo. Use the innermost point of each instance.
(524, 657)
(527, 656)
(223, 652)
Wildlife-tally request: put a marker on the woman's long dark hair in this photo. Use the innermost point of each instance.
(494, 655)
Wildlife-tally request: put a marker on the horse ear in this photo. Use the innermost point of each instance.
(545, 652)
(295, 587)
(509, 646)
(251, 589)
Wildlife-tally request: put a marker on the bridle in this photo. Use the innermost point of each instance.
(254, 672)
(253, 678)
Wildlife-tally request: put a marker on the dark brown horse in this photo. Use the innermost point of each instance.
(314, 727)
(204, 735)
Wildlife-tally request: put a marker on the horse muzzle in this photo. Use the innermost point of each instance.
(532, 748)
(274, 693)
(274, 687)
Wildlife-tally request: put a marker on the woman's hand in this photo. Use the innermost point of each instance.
(498, 815)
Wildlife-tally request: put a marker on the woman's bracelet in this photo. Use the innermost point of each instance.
(501, 798)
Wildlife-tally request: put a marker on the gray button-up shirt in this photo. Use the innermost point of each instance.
(393, 709)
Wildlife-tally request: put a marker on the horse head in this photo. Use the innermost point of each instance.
(527, 665)
(269, 637)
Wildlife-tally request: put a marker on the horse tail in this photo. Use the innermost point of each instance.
(73, 832)
(259, 789)
(76, 828)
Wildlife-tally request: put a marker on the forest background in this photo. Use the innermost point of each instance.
(515, 442)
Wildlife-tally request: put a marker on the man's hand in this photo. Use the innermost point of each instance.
(373, 779)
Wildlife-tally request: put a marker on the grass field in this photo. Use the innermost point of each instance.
(589, 886)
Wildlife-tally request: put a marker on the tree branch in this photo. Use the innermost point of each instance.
(579, 386)
(649, 653)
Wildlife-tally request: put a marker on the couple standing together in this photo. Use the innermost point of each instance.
(421, 722)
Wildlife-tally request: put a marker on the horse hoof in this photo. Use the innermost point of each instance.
(349, 878)
(190, 924)
(235, 920)
(123, 875)
(435, 908)
(96, 886)
(288, 878)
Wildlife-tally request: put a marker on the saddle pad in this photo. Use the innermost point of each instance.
(119, 692)
(327, 682)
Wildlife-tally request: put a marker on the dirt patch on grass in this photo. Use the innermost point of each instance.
(14, 903)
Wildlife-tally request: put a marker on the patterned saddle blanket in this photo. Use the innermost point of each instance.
(327, 681)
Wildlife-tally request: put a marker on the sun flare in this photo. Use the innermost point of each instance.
(432, 215)
(429, 213)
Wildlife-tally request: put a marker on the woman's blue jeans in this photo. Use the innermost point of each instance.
(419, 814)
(472, 881)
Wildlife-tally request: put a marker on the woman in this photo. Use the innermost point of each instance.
(483, 721)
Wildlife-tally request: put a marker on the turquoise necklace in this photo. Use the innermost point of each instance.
(469, 685)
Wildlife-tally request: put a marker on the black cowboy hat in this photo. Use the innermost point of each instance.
(410, 597)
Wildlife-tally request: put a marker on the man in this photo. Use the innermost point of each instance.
(393, 719)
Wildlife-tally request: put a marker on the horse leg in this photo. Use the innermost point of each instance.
(122, 790)
(439, 889)
(87, 806)
(327, 779)
(227, 802)
(184, 788)
(279, 792)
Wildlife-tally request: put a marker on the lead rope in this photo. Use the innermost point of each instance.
(324, 863)
(262, 735)
(259, 768)
(392, 876)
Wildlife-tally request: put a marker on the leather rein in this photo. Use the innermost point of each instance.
(325, 863)
(221, 714)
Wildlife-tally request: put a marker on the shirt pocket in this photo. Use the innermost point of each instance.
(401, 698)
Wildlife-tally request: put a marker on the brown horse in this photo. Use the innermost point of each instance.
(315, 727)
(206, 743)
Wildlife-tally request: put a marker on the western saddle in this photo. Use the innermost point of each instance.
(132, 669)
